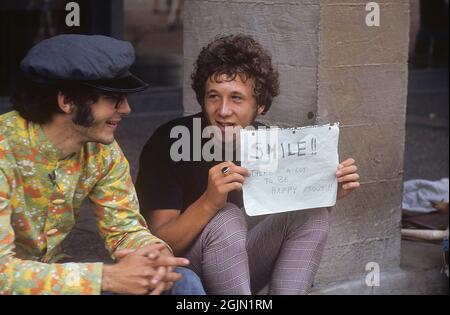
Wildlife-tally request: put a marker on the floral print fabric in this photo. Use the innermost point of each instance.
(40, 197)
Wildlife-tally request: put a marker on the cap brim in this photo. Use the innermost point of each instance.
(128, 84)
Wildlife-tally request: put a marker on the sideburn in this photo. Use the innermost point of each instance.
(83, 116)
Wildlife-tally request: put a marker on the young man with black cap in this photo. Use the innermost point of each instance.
(57, 148)
(196, 204)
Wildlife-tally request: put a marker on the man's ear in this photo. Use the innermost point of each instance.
(64, 105)
(261, 108)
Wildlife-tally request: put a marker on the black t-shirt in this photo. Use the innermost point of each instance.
(165, 184)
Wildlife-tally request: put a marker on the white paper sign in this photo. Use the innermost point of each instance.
(291, 169)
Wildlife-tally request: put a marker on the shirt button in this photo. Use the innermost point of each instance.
(58, 201)
(51, 232)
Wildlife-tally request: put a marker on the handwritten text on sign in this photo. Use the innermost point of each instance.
(291, 169)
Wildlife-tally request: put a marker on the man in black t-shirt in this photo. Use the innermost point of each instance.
(194, 202)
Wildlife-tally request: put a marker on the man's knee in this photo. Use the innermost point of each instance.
(230, 216)
(320, 221)
(228, 225)
(317, 220)
(320, 216)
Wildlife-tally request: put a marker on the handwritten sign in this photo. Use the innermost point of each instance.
(291, 169)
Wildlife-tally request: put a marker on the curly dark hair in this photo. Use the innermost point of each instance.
(39, 103)
(233, 55)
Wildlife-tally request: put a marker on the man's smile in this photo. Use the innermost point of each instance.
(112, 123)
(223, 125)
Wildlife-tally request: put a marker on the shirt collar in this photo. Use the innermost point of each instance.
(40, 141)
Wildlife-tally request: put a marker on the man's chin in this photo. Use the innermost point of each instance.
(105, 141)
(229, 144)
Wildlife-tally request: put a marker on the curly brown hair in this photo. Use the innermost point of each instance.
(233, 55)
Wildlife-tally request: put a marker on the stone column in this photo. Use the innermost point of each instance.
(363, 85)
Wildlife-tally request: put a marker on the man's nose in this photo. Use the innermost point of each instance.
(225, 109)
(124, 107)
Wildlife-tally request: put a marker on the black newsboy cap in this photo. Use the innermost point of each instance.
(94, 60)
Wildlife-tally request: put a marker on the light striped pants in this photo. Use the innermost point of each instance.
(284, 250)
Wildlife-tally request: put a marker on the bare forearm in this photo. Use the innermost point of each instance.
(182, 231)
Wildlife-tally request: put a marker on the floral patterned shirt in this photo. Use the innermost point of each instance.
(40, 197)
